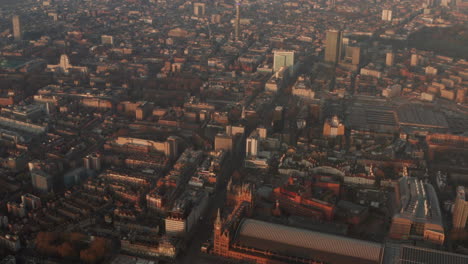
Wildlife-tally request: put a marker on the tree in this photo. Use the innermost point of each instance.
(88, 256)
(66, 250)
(96, 252)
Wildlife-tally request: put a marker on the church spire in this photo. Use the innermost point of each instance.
(218, 220)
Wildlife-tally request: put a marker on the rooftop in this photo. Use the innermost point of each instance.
(419, 201)
(416, 115)
(293, 241)
(405, 254)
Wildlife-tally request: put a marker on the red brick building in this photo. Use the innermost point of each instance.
(262, 242)
(297, 197)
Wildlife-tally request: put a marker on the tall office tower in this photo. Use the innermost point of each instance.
(355, 55)
(237, 25)
(460, 209)
(282, 58)
(461, 95)
(333, 46)
(171, 148)
(444, 2)
(30, 201)
(92, 162)
(199, 9)
(429, 3)
(344, 46)
(224, 142)
(251, 146)
(41, 181)
(386, 15)
(389, 60)
(414, 60)
(16, 28)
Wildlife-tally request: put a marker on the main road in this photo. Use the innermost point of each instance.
(203, 230)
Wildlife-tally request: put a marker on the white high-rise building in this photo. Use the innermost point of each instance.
(17, 28)
(387, 15)
(390, 59)
(283, 59)
(252, 146)
(199, 9)
(414, 60)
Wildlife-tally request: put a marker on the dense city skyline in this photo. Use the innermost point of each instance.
(234, 131)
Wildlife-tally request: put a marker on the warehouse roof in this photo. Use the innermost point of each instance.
(411, 254)
(415, 115)
(304, 243)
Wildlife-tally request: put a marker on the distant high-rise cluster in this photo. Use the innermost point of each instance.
(329, 131)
